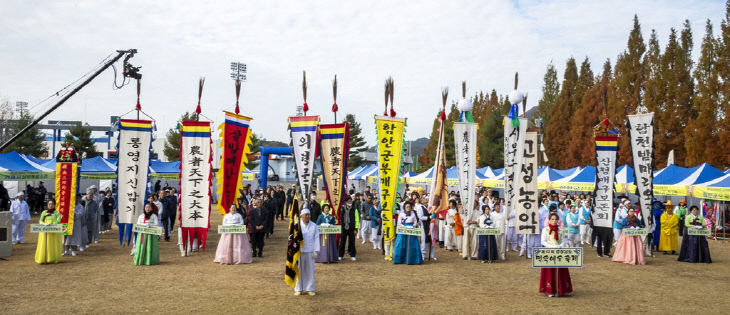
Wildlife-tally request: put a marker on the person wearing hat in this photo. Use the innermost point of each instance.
(621, 214)
(681, 212)
(21, 215)
(310, 249)
(670, 229)
(91, 207)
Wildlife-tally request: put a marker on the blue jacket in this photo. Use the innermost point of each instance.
(374, 214)
(326, 218)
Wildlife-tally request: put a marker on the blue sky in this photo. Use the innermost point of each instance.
(425, 45)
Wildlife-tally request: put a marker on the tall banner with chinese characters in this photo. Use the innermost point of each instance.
(641, 133)
(195, 168)
(303, 131)
(67, 180)
(235, 139)
(390, 132)
(465, 143)
(526, 197)
(514, 142)
(606, 147)
(135, 141)
(334, 149)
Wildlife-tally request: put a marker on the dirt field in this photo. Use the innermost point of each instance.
(103, 279)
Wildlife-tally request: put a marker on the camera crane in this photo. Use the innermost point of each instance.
(129, 71)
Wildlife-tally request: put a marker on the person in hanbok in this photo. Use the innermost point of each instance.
(471, 240)
(450, 226)
(585, 223)
(146, 245)
(572, 220)
(670, 229)
(376, 232)
(50, 245)
(499, 222)
(429, 235)
(329, 252)
(488, 250)
(20, 215)
(233, 248)
(76, 238)
(618, 217)
(657, 209)
(554, 281)
(630, 249)
(309, 250)
(91, 207)
(694, 247)
(407, 247)
(530, 241)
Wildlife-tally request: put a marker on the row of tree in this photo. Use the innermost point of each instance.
(691, 104)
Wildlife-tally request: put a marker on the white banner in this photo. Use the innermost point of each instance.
(605, 173)
(514, 142)
(135, 138)
(641, 132)
(526, 197)
(304, 139)
(195, 169)
(465, 143)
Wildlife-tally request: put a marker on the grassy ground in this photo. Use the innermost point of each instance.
(103, 279)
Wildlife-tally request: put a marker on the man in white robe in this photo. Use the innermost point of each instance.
(309, 250)
(21, 215)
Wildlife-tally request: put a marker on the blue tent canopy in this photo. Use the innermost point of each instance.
(14, 166)
(98, 165)
(157, 166)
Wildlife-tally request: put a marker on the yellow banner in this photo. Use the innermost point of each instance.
(712, 193)
(668, 190)
(390, 146)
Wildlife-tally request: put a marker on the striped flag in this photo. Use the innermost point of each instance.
(293, 249)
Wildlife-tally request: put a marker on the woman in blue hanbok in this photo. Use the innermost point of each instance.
(327, 242)
(407, 247)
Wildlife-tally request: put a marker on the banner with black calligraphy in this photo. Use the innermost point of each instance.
(67, 183)
(390, 132)
(303, 130)
(526, 197)
(641, 132)
(514, 141)
(606, 147)
(135, 141)
(334, 150)
(235, 140)
(195, 168)
(465, 144)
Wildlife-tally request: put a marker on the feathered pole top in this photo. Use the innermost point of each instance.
(515, 98)
(200, 95)
(444, 97)
(391, 90)
(465, 106)
(238, 93)
(334, 95)
(305, 108)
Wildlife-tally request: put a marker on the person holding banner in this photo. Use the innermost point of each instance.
(670, 223)
(50, 245)
(407, 247)
(310, 249)
(427, 223)
(487, 243)
(376, 233)
(499, 222)
(77, 238)
(328, 252)
(233, 248)
(694, 247)
(450, 227)
(630, 248)
(554, 280)
(471, 240)
(349, 219)
(146, 245)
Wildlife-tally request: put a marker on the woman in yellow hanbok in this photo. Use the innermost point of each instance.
(670, 229)
(50, 245)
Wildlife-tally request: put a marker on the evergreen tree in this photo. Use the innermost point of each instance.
(429, 153)
(625, 92)
(357, 143)
(172, 143)
(582, 148)
(556, 141)
(723, 70)
(31, 142)
(585, 82)
(449, 145)
(550, 92)
(481, 107)
(701, 133)
(255, 147)
(490, 140)
(80, 138)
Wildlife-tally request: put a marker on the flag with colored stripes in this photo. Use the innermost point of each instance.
(334, 150)
(67, 183)
(235, 140)
(303, 130)
(195, 168)
(606, 147)
(135, 142)
(294, 246)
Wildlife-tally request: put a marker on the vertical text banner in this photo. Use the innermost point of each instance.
(526, 208)
(135, 139)
(606, 147)
(334, 150)
(235, 139)
(303, 131)
(66, 186)
(641, 132)
(465, 142)
(195, 168)
(514, 141)
(390, 146)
